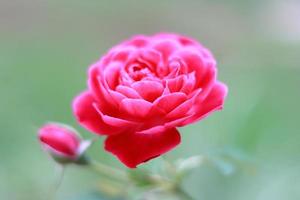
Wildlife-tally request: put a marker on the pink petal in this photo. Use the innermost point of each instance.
(112, 73)
(214, 101)
(181, 110)
(149, 90)
(122, 54)
(113, 121)
(185, 41)
(93, 82)
(177, 123)
(170, 101)
(88, 116)
(112, 98)
(175, 84)
(138, 41)
(205, 69)
(128, 92)
(100, 93)
(135, 148)
(188, 84)
(166, 47)
(137, 108)
(154, 129)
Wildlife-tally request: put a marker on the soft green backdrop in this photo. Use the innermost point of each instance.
(46, 47)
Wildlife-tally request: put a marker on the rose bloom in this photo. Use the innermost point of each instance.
(145, 87)
(60, 141)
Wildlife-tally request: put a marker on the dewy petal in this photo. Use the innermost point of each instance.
(135, 148)
(149, 90)
(136, 107)
(214, 101)
(170, 101)
(88, 116)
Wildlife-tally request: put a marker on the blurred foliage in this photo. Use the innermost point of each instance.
(46, 47)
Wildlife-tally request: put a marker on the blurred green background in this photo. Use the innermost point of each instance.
(46, 47)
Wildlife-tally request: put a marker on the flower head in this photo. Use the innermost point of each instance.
(143, 88)
(61, 141)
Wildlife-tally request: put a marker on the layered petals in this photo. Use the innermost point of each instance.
(214, 101)
(143, 88)
(87, 115)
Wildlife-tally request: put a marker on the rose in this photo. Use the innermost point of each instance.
(143, 88)
(61, 142)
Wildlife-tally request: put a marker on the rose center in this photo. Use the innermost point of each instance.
(138, 71)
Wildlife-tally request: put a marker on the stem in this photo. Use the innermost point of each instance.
(183, 194)
(54, 190)
(108, 171)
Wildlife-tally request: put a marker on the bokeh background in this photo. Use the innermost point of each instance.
(46, 47)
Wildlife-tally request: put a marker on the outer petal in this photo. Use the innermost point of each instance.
(135, 148)
(88, 116)
(214, 101)
(166, 47)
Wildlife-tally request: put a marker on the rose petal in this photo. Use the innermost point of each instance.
(88, 117)
(205, 69)
(181, 110)
(154, 129)
(188, 83)
(135, 148)
(149, 90)
(113, 121)
(170, 101)
(175, 84)
(121, 54)
(138, 41)
(128, 92)
(136, 107)
(111, 97)
(214, 101)
(111, 74)
(166, 47)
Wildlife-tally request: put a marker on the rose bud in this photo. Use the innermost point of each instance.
(62, 143)
(143, 89)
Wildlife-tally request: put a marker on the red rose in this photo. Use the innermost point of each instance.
(60, 141)
(143, 88)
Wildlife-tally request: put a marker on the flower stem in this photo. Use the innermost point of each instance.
(60, 174)
(182, 194)
(108, 171)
